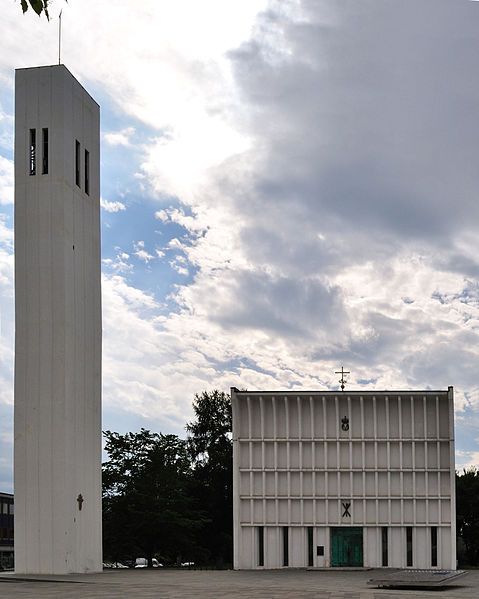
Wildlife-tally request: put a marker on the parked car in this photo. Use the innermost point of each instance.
(142, 562)
(114, 565)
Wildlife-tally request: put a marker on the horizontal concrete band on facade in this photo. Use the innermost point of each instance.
(332, 496)
(335, 524)
(357, 438)
(294, 512)
(347, 393)
(321, 418)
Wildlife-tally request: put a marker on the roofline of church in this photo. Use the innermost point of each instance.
(345, 392)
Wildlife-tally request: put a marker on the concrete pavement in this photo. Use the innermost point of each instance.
(211, 584)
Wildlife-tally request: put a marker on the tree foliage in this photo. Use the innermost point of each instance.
(170, 497)
(467, 510)
(148, 505)
(209, 435)
(211, 449)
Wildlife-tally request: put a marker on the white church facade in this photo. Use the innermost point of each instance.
(358, 478)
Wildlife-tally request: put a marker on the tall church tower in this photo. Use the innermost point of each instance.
(58, 325)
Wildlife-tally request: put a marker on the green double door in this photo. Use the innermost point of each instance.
(347, 546)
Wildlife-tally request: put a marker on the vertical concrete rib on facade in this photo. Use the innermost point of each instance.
(58, 328)
(311, 468)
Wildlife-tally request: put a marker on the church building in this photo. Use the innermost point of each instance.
(344, 478)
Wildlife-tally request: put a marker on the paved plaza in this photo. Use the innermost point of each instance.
(207, 584)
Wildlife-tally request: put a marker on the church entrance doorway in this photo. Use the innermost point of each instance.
(347, 546)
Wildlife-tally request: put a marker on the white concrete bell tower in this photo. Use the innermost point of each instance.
(57, 473)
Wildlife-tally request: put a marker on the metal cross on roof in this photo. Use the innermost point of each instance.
(342, 380)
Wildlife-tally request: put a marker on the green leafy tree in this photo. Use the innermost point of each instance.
(467, 511)
(148, 505)
(211, 448)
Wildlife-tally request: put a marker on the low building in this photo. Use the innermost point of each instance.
(356, 478)
(6, 531)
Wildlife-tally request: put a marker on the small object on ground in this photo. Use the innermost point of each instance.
(416, 578)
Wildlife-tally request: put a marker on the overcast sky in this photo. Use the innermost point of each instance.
(287, 187)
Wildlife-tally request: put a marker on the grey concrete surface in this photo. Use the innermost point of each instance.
(204, 584)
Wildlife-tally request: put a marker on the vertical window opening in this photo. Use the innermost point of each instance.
(384, 545)
(409, 546)
(77, 163)
(285, 546)
(33, 152)
(260, 546)
(44, 151)
(87, 172)
(433, 546)
(310, 546)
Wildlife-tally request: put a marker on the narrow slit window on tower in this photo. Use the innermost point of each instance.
(77, 163)
(285, 546)
(44, 151)
(260, 546)
(409, 546)
(87, 172)
(433, 546)
(33, 152)
(310, 546)
(384, 543)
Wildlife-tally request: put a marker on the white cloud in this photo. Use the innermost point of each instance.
(179, 267)
(181, 85)
(141, 253)
(303, 236)
(120, 264)
(6, 181)
(119, 138)
(6, 234)
(6, 129)
(176, 244)
(143, 367)
(177, 164)
(6, 313)
(162, 215)
(466, 460)
(193, 224)
(112, 206)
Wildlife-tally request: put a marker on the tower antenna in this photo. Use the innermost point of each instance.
(60, 37)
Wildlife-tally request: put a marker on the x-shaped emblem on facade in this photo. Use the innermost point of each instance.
(346, 512)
